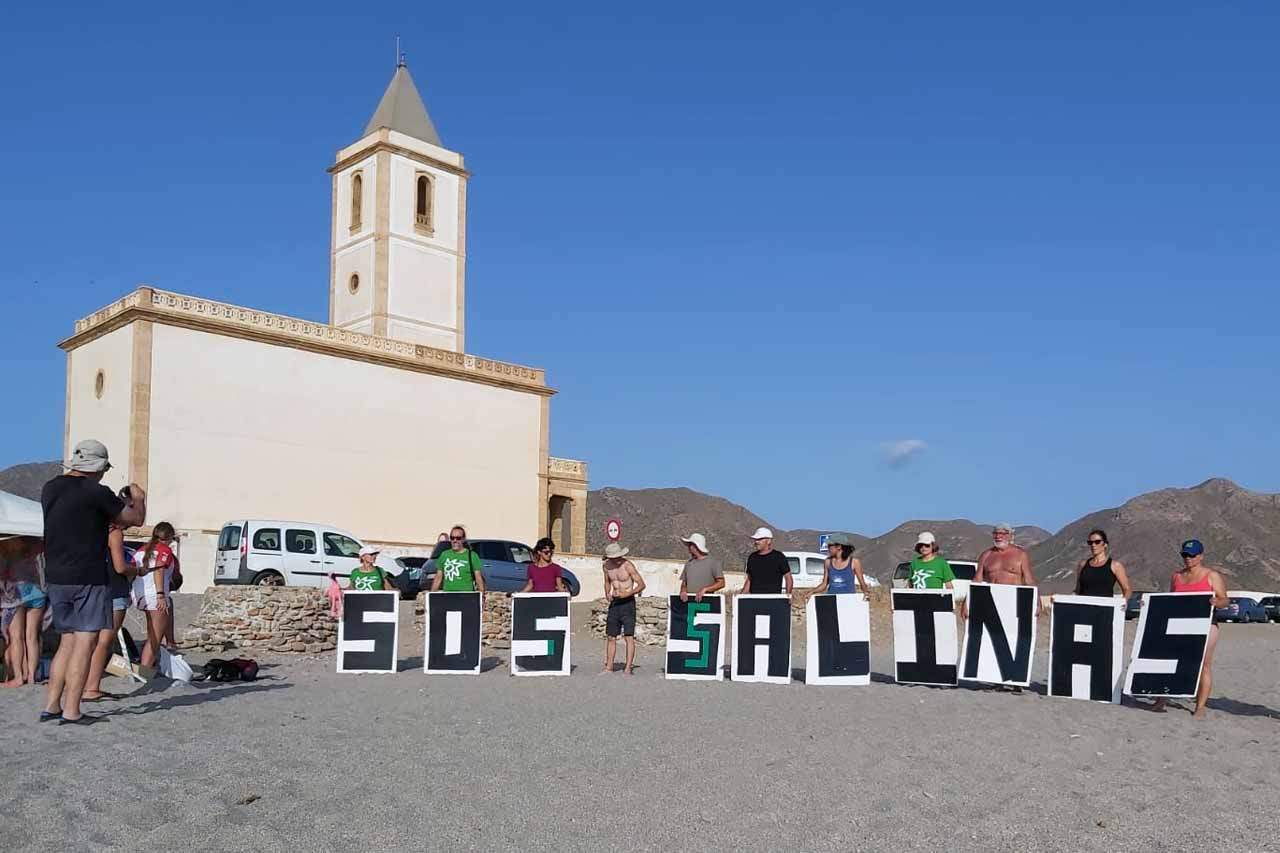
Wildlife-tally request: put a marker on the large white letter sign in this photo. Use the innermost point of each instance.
(695, 638)
(1168, 651)
(838, 640)
(369, 631)
(762, 638)
(1086, 647)
(540, 633)
(452, 633)
(1000, 635)
(924, 637)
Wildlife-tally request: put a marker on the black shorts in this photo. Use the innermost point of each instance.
(622, 618)
(80, 608)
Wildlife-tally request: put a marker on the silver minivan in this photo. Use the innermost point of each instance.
(286, 553)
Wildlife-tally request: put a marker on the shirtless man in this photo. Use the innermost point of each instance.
(622, 583)
(1003, 562)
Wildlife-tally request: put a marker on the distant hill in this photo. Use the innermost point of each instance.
(653, 520)
(1240, 530)
(26, 480)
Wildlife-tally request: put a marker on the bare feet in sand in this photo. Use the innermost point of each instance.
(1160, 706)
(1200, 714)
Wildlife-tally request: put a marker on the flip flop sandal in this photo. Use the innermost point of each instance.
(47, 716)
(82, 720)
(101, 696)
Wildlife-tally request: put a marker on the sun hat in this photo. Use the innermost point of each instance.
(926, 538)
(613, 551)
(697, 540)
(1192, 548)
(762, 533)
(369, 551)
(89, 457)
(840, 539)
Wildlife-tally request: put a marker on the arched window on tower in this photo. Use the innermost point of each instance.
(357, 200)
(422, 205)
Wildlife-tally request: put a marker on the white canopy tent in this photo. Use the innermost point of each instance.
(20, 517)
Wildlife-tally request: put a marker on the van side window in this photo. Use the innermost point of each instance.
(521, 554)
(300, 541)
(267, 539)
(230, 538)
(337, 545)
(793, 565)
(814, 567)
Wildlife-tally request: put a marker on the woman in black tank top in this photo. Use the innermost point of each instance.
(1099, 574)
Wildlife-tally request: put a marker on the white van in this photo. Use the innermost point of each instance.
(806, 569)
(287, 553)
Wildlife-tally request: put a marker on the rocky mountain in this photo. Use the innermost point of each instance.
(1240, 530)
(653, 520)
(26, 480)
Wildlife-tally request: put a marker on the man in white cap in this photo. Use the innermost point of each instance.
(703, 574)
(767, 569)
(622, 583)
(78, 510)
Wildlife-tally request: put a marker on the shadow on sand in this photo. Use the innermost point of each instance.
(185, 700)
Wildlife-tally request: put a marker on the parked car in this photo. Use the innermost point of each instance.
(505, 565)
(1239, 609)
(964, 570)
(1271, 606)
(287, 553)
(806, 569)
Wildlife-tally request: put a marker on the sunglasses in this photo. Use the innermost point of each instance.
(546, 550)
(1096, 542)
(457, 539)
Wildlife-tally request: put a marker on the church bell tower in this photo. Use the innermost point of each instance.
(398, 259)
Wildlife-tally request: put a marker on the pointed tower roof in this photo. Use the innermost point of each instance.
(401, 109)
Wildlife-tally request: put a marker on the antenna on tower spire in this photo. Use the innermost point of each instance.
(400, 63)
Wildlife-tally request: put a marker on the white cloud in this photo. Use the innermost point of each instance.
(900, 453)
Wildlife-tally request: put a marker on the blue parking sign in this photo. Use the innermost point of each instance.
(822, 541)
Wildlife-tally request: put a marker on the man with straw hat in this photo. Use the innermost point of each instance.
(622, 583)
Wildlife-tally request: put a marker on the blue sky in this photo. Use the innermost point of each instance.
(755, 246)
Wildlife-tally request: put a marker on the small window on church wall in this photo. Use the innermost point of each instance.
(357, 200)
(353, 283)
(423, 204)
(99, 384)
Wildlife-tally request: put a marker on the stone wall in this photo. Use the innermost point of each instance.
(495, 624)
(279, 619)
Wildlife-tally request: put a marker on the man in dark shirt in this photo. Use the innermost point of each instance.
(78, 509)
(767, 569)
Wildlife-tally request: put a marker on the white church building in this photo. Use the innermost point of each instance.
(222, 412)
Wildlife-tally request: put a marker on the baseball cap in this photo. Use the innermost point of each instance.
(89, 457)
(840, 539)
(762, 533)
(697, 540)
(369, 551)
(1192, 548)
(927, 538)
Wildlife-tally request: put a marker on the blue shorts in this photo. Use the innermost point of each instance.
(32, 595)
(80, 608)
(119, 603)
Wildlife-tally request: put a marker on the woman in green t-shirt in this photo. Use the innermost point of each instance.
(368, 577)
(928, 569)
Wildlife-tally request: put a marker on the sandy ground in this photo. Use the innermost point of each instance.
(308, 759)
